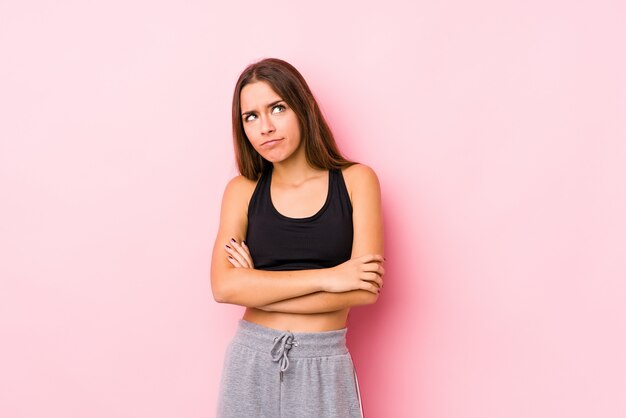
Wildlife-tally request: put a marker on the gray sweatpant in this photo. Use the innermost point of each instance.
(269, 373)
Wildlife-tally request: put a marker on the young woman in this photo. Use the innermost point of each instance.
(300, 242)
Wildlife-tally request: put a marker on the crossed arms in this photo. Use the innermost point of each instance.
(353, 283)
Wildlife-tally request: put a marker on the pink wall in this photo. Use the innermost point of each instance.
(497, 131)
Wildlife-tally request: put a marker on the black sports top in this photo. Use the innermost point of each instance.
(277, 242)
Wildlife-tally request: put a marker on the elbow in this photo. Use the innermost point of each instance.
(218, 299)
(367, 298)
(226, 288)
(224, 296)
(373, 298)
(220, 294)
(224, 291)
(224, 285)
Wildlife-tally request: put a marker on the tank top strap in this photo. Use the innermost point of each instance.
(338, 193)
(259, 199)
(341, 190)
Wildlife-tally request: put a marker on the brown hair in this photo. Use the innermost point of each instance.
(319, 143)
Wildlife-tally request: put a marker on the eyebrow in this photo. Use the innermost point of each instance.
(269, 105)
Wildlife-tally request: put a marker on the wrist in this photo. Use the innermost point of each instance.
(326, 280)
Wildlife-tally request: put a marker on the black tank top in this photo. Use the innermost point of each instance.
(278, 242)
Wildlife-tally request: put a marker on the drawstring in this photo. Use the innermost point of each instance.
(282, 345)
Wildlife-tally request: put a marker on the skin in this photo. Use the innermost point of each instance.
(315, 300)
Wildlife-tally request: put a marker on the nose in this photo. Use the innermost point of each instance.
(267, 127)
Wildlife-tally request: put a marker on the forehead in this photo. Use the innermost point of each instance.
(257, 95)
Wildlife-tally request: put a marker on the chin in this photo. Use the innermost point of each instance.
(276, 159)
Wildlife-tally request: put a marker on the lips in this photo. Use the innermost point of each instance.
(271, 141)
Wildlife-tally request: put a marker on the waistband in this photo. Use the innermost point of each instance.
(299, 344)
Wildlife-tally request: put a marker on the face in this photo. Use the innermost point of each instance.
(269, 123)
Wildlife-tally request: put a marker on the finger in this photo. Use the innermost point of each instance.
(245, 247)
(369, 287)
(373, 278)
(234, 262)
(234, 254)
(244, 251)
(238, 255)
(241, 252)
(374, 267)
(372, 257)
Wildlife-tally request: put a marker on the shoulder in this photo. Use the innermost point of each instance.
(359, 173)
(240, 183)
(360, 179)
(238, 191)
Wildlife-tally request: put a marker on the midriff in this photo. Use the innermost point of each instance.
(317, 322)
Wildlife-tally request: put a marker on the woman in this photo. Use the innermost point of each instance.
(300, 242)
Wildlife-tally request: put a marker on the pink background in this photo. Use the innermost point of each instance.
(498, 133)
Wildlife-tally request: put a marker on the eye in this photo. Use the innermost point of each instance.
(279, 106)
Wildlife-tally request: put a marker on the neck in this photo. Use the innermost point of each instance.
(294, 171)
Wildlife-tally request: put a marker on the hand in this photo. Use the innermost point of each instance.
(239, 254)
(361, 273)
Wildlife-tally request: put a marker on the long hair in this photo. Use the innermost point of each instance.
(319, 143)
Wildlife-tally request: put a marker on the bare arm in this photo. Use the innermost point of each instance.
(256, 288)
(321, 302)
(368, 238)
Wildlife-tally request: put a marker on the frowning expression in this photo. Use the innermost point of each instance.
(269, 123)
